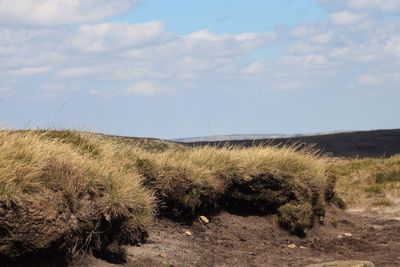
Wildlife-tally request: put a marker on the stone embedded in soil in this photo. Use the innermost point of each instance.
(292, 246)
(204, 219)
(348, 234)
(188, 233)
(343, 264)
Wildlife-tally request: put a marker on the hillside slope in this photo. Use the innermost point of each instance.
(377, 143)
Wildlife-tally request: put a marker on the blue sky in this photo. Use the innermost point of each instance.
(174, 68)
(223, 16)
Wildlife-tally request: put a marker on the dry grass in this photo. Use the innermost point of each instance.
(368, 183)
(71, 162)
(192, 178)
(58, 180)
(94, 180)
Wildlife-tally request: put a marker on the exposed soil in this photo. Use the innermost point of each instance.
(233, 240)
(34, 234)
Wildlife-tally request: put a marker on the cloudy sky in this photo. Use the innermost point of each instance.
(191, 68)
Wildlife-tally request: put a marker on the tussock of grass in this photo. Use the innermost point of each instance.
(91, 190)
(49, 183)
(387, 176)
(258, 180)
(296, 217)
(82, 142)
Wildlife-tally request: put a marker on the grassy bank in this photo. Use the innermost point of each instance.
(57, 192)
(70, 191)
(369, 184)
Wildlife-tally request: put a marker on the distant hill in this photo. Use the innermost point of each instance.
(231, 137)
(375, 143)
(234, 137)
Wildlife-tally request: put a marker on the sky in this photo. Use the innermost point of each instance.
(171, 69)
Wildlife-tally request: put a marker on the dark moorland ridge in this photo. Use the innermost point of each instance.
(376, 143)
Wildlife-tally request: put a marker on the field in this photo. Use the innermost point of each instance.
(68, 195)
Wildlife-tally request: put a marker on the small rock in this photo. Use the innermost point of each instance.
(348, 234)
(163, 255)
(188, 233)
(302, 247)
(130, 258)
(204, 219)
(292, 246)
(340, 236)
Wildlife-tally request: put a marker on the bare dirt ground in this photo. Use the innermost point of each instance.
(233, 240)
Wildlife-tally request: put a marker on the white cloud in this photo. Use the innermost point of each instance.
(252, 40)
(60, 12)
(146, 88)
(384, 5)
(6, 51)
(354, 40)
(27, 71)
(379, 79)
(291, 85)
(107, 37)
(106, 59)
(303, 47)
(310, 59)
(302, 31)
(205, 35)
(205, 41)
(256, 67)
(346, 18)
(76, 72)
(55, 87)
(392, 46)
(321, 39)
(369, 6)
(103, 93)
(116, 54)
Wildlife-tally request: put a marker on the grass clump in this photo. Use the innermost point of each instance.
(82, 141)
(388, 176)
(91, 191)
(53, 196)
(296, 217)
(254, 180)
(338, 201)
